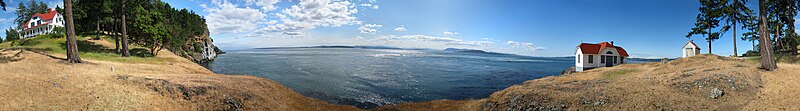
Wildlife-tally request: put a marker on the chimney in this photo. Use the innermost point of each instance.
(612, 42)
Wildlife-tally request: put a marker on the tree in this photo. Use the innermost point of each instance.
(707, 19)
(765, 45)
(125, 52)
(785, 11)
(11, 35)
(149, 27)
(72, 44)
(22, 14)
(733, 13)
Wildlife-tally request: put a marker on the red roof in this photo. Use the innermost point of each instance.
(45, 17)
(587, 48)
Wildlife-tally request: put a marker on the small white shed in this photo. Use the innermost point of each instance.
(690, 49)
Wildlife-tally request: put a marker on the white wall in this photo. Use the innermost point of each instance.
(584, 59)
(691, 51)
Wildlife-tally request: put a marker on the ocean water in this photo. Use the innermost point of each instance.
(368, 78)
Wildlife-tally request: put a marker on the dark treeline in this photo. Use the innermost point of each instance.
(149, 23)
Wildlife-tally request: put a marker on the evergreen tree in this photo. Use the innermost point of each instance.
(708, 18)
(735, 12)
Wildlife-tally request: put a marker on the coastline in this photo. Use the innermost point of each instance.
(180, 84)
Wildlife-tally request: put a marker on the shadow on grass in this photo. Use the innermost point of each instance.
(89, 47)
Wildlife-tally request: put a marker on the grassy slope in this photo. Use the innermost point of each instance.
(682, 84)
(89, 49)
(34, 77)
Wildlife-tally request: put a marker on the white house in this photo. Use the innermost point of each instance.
(690, 49)
(604, 54)
(41, 24)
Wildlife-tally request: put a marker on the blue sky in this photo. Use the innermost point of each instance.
(645, 28)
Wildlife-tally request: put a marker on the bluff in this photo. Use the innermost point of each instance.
(200, 48)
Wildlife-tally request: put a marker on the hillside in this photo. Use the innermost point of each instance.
(703, 82)
(35, 77)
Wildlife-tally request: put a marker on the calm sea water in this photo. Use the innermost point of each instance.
(369, 78)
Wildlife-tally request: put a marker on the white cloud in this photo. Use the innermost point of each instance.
(51, 4)
(432, 40)
(369, 28)
(370, 6)
(6, 20)
(228, 18)
(400, 28)
(266, 5)
(526, 45)
(309, 14)
(447, 33)
(489, 39)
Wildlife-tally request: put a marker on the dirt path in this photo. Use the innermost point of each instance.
(780, 91)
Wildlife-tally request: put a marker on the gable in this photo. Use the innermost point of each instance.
(587, 48)
(691, 44)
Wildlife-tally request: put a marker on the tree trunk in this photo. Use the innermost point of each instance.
(97, 33)
(792, 40)
(125, 52)
(767, 60)
(116, 35)
(735, 52)
(72, 44)
(709, 38)
(777, 38)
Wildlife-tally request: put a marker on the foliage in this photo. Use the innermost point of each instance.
(60, 30)
(711, 11)
(53, 35)
(750, 53)
(11, 34)
(150, 23)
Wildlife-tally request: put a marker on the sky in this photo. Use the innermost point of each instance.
(645, 28)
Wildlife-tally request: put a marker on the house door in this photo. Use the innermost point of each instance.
(610, 61)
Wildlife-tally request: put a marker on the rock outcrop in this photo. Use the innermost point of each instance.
(200, 49)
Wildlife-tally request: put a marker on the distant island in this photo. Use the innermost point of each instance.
(342, 46)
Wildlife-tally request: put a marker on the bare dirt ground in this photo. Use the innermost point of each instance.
(703, 82)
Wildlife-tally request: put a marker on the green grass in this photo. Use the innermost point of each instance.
(781, 58)
(87, 50)
(617, 73)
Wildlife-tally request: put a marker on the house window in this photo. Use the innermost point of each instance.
(602, 59)
(615, 59)
(591, 58)
(621, 59)
(609, 52)
(578, 58)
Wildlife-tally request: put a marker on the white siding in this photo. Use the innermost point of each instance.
(596, 60)
(689, 50)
